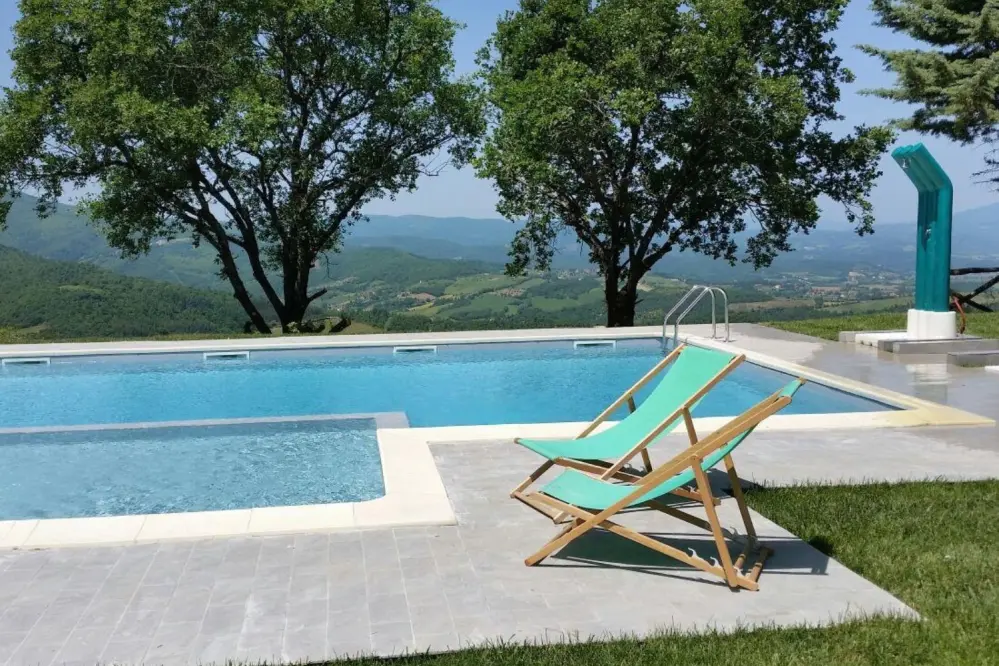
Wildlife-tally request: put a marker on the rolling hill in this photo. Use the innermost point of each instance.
(831, 250)
(44, 300)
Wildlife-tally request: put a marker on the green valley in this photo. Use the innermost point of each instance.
(43, 300)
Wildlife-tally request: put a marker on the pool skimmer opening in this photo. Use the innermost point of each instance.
(425, 349)
(25, 361)
(593, 344)
(227, 356)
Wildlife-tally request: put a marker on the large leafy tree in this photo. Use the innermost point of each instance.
(260, 127)
(955, 81)
(650, 126)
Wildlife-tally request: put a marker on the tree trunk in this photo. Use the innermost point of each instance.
(293, 314)
(296, 268)
(620, 300)
(243, 296)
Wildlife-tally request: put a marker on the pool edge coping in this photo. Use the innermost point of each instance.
(305, 343)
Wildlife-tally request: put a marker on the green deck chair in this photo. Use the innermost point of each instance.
(692, 372)
(591, 501)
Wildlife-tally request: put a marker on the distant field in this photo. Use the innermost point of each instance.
(775, 304)
(480, 284)
(594, 296)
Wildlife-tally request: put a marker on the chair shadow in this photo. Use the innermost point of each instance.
(599, 548)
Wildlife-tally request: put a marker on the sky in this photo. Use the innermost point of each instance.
(460, 193)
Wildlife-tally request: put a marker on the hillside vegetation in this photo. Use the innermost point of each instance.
(51, 300)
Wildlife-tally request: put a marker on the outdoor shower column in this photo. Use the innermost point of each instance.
(931, 318)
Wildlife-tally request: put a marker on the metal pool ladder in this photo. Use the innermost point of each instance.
(691, 299)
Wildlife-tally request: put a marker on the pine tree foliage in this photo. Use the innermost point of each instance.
(953, 76)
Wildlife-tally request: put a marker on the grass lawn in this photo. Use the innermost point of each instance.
(20, 336)
(930, 544)
(985, 324)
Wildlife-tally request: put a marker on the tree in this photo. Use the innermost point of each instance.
(260, 127)
(649, 126)
(955, 82)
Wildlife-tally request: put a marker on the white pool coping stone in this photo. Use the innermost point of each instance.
(414, 491)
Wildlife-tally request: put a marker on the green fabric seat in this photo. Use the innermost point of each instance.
(582, 490)
(693, 368)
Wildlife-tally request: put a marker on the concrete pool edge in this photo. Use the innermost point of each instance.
(414, 496)
(304, 343)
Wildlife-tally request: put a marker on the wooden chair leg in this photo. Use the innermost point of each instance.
(740, 498)
(716, 530)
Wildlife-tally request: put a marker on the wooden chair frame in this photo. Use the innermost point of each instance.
(732, 572)
(613, 470)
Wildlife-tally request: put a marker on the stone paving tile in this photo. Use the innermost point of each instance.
(41, 654)
(124, 652)
(212, 648)
(173, 641)
(84, 644)
(151, 597)
(434, 588)
(10, 641)
(137, 625)
(224, 620)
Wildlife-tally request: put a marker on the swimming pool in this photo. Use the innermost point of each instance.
(115, 472)
(439, 386)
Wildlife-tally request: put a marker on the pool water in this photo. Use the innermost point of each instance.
(185, 468)
(459, 385)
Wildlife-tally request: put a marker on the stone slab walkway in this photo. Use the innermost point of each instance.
(390, 591)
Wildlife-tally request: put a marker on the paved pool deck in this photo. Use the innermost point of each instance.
(388, 591)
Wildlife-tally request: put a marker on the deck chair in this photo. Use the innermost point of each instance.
(692, 372)
(592, 501)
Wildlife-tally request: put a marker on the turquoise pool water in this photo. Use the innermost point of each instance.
(175, 469)
(458, 385)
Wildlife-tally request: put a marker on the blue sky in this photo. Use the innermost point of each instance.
(460, 193)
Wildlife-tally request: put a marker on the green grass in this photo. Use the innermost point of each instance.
(930, 544)
(484, 305)
(875, 305)
(985, 324)
(546, 304)
(37, 335)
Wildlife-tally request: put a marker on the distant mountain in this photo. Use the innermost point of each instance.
(57, 300)
(463, 231)
(826, 251)
(892, 246)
